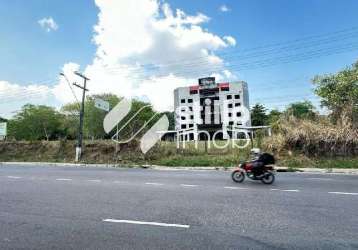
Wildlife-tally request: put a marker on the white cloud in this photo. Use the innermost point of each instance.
(230, 40)
(14, 96)
(48, 24)
(147, 49)
(224, 8)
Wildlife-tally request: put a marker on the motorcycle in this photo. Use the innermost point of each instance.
(245, 169)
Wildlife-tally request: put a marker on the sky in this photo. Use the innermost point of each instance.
(146, 48)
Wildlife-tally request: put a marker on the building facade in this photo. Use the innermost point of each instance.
(213, 107)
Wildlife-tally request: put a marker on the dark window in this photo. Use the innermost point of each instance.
(229, 114)
(193, 92)
(182, 101)
(183, 126)
(191, 125)
(231, 123)
(230, 105)
(225, 88)
(192, 117)
(229, 97)
(183, 117)
(237, 104)
(190, 100)
(237, 96)
(238, 114)
(190, 108)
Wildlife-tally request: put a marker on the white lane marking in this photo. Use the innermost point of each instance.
(154, 183)
(343, 193)
(320, 179)
(235, 188)
(146, 223)
(63, 179)
(14, 177)
(188, 185)
(285, 190)
(94, 180)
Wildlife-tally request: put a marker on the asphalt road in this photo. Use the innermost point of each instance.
(47, 207)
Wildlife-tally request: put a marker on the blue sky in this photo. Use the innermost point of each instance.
(30, 54)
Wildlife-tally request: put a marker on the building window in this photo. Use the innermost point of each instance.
(190, 100)
(192, 117)
(191, 125)
(229, 97)
(230, 105)
(183, 126)
(237, 96)
(237, 104)
(231, 123)
(182, 101)
(183, 118)
(190, 108)
(238, 114)
(229, 114)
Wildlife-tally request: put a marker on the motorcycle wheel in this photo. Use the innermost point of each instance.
(269, 178)
(238, 176)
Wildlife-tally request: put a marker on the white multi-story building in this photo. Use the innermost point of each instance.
(212, 107)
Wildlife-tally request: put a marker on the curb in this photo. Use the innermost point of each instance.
(178, 168)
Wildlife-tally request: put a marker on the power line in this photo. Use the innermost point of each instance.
(295, 46)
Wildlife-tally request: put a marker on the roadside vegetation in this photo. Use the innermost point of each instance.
(302, 137)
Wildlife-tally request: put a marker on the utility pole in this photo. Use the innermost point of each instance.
(82, 111)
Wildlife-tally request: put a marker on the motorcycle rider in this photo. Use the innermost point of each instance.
(257, 164)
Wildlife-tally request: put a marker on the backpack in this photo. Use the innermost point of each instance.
(267, 158)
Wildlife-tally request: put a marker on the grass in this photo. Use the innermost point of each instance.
(165, 154)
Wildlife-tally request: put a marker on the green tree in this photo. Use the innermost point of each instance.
(258, 115)
(3, 119)
(273, 116)
(93, 118)
(339, 93)
(301, 110)
(36, 123)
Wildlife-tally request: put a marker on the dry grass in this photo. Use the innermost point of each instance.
(313, 138)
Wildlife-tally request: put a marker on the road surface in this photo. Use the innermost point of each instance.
(43, 207)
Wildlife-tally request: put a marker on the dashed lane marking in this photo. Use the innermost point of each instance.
(236, 188)
(146, 223)
(320, 179)
(188, 185)
(63, 179)
(343, 193)
(14, 177)
(285, 190)
(94, 180)
(154, 183)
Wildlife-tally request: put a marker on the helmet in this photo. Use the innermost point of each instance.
(255, 151)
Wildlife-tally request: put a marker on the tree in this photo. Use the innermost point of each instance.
(301, 110)
(258, 115)
(36, 123)
(339, 93)
(93, 118)
(273, 116)
(3, 119)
